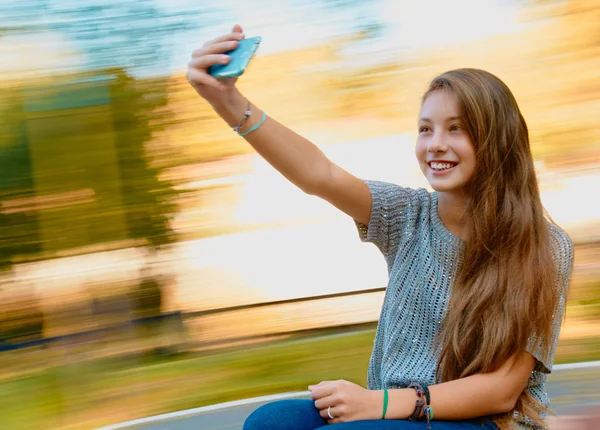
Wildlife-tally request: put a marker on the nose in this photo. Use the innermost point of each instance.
(437, 143)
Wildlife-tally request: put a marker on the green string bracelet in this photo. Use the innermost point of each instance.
(385, 403)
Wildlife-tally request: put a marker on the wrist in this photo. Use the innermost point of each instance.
(401, 403)
(409, 403)
(231, 107)
(376, 404)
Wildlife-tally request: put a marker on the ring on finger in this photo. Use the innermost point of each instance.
(329, 413)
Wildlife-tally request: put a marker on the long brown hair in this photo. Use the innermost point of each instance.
(503, 292)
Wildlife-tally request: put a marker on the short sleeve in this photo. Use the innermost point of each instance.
(562, 250)
(394, 210)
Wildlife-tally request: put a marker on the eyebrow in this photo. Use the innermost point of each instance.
(452, 118)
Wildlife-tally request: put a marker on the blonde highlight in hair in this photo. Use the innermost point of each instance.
(503, 293)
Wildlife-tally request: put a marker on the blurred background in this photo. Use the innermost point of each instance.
(151, 262)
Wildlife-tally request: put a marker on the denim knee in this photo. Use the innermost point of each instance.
(296, 414)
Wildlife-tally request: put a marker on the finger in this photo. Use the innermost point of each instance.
(215, 48)
(225, 38)
(198, 78)
(310, 387)
(335, 413)
(237, 29)
(321, 391)
(204, 62)
(325, 402)
(319, 385)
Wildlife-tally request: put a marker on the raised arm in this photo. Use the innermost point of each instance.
(296, 158)
(301, 162)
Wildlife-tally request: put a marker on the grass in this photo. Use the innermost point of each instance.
(97, 393)
(101, 392)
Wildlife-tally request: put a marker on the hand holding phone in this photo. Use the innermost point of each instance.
(214, 58)
(240, 58)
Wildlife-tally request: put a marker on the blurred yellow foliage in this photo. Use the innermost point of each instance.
(553, 68)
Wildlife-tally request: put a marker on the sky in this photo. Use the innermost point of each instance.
(395, 28)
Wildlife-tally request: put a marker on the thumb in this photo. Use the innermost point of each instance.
(237, 29)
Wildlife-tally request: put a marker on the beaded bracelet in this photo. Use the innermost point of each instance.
(244, 120)
(428, 412)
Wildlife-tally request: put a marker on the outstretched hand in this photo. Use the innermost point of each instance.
(348, 401)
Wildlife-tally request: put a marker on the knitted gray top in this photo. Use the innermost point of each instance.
(422, 258)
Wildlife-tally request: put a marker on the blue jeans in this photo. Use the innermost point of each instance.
(302, 415)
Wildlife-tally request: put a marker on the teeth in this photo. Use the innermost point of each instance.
(441, 166)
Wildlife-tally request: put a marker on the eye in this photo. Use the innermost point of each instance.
(424, 129)
(455, 127)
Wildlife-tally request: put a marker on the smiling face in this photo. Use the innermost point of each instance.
(444, 150)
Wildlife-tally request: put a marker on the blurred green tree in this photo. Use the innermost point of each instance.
(44, 155)
(149, 198)
(78, 168)
(16, 181)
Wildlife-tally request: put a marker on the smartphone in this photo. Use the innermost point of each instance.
(240, 58)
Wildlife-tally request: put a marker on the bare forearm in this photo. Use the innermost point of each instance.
(466, 398)
(299, 160)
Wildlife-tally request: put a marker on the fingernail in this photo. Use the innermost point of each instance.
(224, 59)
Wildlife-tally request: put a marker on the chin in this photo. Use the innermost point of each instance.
(445, 187)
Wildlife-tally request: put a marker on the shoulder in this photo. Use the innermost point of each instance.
(561, 244)
(563, 254)
(397, 195)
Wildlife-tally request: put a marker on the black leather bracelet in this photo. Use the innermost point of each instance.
(427, 395)
(420, 403)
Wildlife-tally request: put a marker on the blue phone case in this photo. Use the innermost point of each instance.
(240, 58)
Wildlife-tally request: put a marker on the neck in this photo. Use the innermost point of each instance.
(451, 209)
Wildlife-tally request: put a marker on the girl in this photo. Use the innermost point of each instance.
(477, 275)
